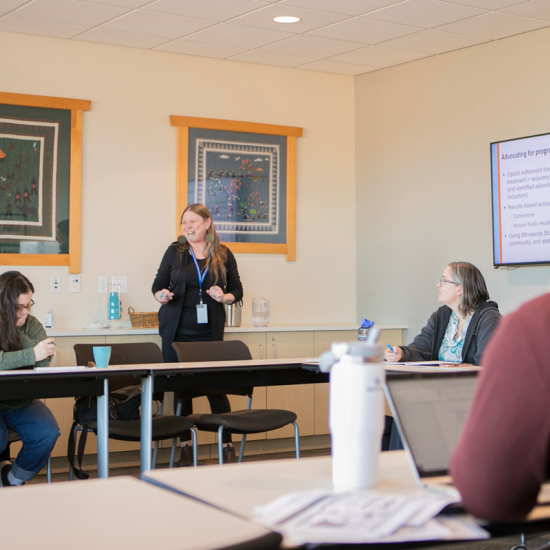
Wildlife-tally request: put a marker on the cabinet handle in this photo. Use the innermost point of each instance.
(274, 351)
(261, 351)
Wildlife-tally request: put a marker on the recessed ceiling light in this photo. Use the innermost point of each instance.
(286, 19)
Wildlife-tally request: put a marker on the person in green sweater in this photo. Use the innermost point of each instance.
(23, 344)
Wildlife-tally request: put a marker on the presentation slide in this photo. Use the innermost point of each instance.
(521, 200)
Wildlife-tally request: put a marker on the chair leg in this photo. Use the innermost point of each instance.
(241, 452)
(297, 440)
(71, 472)
(220, 445)
(49, 470)
(155, 455)
(194, 432)
(173, 451)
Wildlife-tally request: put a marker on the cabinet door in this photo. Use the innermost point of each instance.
(299, 399)
(256, 342)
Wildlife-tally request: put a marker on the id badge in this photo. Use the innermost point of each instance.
(202, 314)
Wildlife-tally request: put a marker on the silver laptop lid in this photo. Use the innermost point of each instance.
(430, 410)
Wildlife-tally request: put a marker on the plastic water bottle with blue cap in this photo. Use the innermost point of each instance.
(363, 332)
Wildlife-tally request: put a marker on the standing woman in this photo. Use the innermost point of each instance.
(196, 277)
(23, 343)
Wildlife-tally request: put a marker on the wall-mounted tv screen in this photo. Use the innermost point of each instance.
(520, 173)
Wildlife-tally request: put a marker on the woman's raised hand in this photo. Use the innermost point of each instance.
(216, 293)
(44, 349)
(163, 296)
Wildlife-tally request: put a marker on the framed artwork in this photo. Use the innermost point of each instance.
(40, 180)
(245, 173)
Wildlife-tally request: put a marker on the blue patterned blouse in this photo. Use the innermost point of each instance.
(451, 347)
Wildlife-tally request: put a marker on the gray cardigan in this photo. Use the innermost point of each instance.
(425, 347)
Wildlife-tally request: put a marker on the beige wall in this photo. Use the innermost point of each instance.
(423, 131)
(129, 160)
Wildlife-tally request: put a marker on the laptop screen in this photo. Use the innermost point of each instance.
(430, 410)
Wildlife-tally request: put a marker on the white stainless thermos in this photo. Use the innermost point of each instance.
(356, 414)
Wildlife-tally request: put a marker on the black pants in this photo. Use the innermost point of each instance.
(218, 401)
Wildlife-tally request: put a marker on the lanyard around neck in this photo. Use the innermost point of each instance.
(200, 275)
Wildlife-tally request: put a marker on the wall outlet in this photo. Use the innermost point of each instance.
(55, 284)
(123, 282)
(74, 285)
(103, 285)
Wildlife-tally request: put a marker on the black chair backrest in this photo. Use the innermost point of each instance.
(136, 353)
(229, 350)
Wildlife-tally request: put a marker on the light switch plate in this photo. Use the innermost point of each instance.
(123, 282)
(55, 284)
(74, 285)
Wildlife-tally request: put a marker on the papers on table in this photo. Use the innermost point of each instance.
(360, 517)
(59, 369)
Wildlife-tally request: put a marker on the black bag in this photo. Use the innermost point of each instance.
(123, 405)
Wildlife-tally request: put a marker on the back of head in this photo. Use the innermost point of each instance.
(12, 285)
(474, 289)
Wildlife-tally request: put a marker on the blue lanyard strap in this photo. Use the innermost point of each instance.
(200, 275)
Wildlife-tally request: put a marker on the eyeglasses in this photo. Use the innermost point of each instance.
(442, 281)
(19, 307)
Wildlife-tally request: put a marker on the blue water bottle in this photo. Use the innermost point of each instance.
(363, 331)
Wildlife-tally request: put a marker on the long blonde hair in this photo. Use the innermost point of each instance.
(215, 252)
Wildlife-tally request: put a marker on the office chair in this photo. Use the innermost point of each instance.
(248, 421)
(164, 427)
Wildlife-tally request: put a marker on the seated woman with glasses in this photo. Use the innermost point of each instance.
(460, 329)
(23, 344)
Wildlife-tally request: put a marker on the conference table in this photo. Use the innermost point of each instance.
(207, 375)
(53, 382)
(122, 513)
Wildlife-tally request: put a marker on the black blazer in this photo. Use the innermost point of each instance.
(172, 274)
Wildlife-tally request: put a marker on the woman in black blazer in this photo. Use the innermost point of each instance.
(196, 277)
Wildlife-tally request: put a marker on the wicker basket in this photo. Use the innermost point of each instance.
(143, 320)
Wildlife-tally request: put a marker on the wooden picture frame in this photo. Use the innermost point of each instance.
(72, 258)
(266, 221)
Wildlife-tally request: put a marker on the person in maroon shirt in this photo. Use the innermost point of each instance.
(503, 455)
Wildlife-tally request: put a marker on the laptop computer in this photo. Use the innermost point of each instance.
(430, 410)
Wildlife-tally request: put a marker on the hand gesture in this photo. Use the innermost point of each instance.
(216, 293)
(163, 296)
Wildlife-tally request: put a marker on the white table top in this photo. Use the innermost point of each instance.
(240, 487)
(116, 513)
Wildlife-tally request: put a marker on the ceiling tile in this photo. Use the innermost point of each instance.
(424, 13)
(268, 58)
(365, 31)
(486, 4)
(8, 5)
(41, 28)
(157, 24)
(494, 25)
(215, 10)
(348, 7)
(337, 68)
(377, 56)
(121, 3)
(238, 36)
(309, 19)
(537, 9)
(121, 39)
(69, 12)
(312, 46)
(196, 48)
(434, 42)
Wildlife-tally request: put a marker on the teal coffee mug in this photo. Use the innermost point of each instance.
(102, 354)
